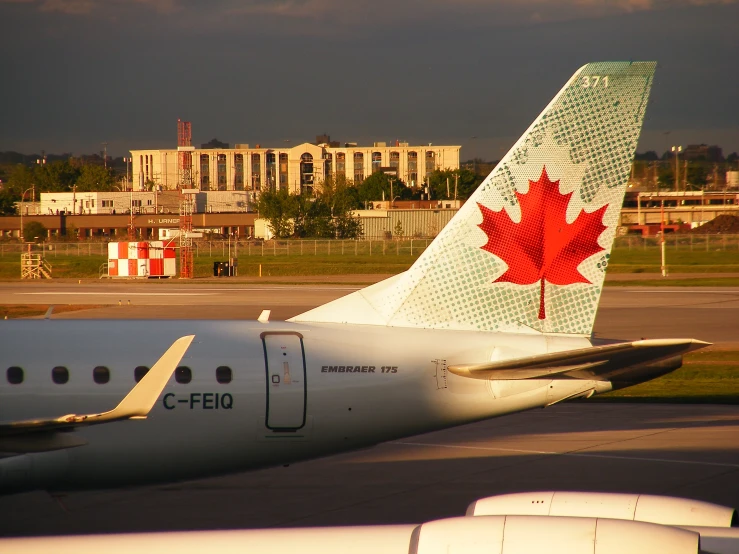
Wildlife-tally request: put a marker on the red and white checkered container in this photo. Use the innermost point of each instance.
(142, 259)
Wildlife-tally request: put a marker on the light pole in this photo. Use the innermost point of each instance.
(677, 150)
(31, 188)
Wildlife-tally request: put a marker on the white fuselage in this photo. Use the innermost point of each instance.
(297, 391)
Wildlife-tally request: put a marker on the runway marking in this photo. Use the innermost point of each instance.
(572, 454)
(250, 289)
(115, 293)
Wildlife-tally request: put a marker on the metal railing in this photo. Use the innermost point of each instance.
(325, 247)
(234, 249)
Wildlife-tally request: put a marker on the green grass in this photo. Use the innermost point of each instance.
(622, 260)
(273, 266)
(710, 377)
(75, 267)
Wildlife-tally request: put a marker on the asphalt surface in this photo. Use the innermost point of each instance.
(709, 314)
(682, 450)
(690, 451)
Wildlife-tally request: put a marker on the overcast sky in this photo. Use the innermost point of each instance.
(75, 73)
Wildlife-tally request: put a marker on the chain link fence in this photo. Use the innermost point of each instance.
(234, 249)
(413, 247)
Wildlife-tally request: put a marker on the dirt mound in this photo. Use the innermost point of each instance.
(728, 224)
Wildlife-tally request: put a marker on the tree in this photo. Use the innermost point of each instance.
(348, 226)
(7, 203)
(666, 176)
(467, 182)
(697, 176)
(34, 230)
(398, 231)
(59, 176)
(278, 208)
(648, 156)
(338, 193)
(95, 178)
(20, 178)
(377, 186)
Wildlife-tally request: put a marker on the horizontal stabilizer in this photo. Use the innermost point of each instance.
(136, 405)
(597, 361)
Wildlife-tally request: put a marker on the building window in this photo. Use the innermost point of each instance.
(341, 163)
(395, 159)
(139, 372)
(204, 172)
(221, 171)
(413, 168)
(271, 170)
(358, 167)
(430, 162)
(238, 172)
(101, 375)
(60, 375)
(328, 164)
(412, 161)
(183, 374)
(376, 161)
(283, 171)
(306, 173)
(256, 172)
(224, 374)
(14, 375)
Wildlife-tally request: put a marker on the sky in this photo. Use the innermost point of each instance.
(77, 73)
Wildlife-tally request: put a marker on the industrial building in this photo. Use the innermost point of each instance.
(296, 169)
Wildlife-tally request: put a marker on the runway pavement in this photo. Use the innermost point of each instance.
(690, 451)
(683, 450)
(710, 314)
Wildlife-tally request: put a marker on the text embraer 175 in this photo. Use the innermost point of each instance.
(494, 317)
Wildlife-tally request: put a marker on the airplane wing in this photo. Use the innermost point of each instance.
(594, 362)
(35, 435)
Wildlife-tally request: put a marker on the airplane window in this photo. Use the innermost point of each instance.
(223, 374)
(139, 372)
(15, 375)
(183, 374)
(60, 375)
(101, 375)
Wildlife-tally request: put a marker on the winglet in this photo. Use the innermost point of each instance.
(142, 397)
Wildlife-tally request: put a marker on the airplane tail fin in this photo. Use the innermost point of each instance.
(528, 251)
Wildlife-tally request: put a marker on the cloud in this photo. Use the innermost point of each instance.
(334, 18)
(71, 7)
(88, 7)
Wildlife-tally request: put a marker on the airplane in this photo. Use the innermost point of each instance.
(495, 317)
(546, 521)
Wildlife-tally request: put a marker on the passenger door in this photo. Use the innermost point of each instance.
(284, 360)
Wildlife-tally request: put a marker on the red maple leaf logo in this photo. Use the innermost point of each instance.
(543, 246)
